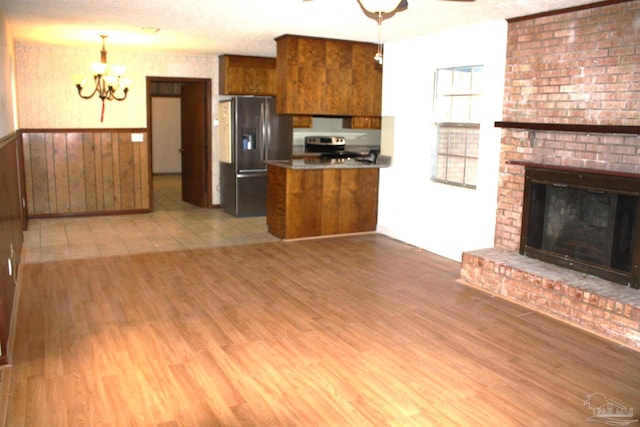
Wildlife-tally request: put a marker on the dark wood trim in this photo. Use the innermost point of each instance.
(5, 140)
(88, 214)
(567, 10)
(22, 181)
(532, 165)
(571, 127)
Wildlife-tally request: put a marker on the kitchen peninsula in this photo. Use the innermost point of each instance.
(322, 197)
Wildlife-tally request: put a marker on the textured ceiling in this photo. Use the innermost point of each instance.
(240, 26)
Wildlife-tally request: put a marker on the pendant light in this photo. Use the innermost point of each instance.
(379, 8)
(108, 82)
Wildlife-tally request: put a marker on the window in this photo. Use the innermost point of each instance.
(457, 115)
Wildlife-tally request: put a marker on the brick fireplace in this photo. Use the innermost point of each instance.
(572, 101)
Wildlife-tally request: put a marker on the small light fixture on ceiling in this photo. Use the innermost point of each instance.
(379, 8)
(108, 80)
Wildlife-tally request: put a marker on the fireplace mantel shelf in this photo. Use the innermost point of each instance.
(571, 169)
(568, 127)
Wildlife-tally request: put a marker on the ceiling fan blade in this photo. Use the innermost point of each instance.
(467, 1)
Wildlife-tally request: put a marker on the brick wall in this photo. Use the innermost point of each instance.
(580, 67)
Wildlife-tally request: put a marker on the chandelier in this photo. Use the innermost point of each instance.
(379, 8)
(108, 81)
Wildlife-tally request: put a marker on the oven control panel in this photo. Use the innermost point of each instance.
(324, 140)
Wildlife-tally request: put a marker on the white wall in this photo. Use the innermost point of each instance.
(7, 124)
(166, 133)
(443, 219)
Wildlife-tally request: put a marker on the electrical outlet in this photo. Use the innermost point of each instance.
(137, 137)
(12, 260)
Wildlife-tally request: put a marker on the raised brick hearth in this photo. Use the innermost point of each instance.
(607, 309)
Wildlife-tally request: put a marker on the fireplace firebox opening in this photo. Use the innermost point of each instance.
(583, 220)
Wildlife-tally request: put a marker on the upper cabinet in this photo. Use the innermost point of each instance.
(317, 76)
(247, 75)
(362, 122)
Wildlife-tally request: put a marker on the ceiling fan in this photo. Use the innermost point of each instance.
(382, 9)
(373, 7)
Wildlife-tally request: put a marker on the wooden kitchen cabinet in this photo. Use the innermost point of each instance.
(321, 202)
(247, 75)
(362, 122)
(317, 76)
(302, 121)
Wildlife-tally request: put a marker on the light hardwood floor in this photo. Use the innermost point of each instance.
(346, 331)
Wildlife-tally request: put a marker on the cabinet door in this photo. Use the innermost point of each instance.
(247, 75)
(367, 81)
(264, 81)
(240, 81)
(318, 76)
(361, 122)
(302, 121)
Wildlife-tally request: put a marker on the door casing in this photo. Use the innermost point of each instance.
(206, 85)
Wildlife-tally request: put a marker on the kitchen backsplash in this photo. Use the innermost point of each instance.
(329, 126)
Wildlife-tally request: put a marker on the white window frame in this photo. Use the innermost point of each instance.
(457, 110)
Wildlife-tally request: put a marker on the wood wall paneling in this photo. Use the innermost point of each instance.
(61, 173)
(11, 238)
(85, 172)
(89, 160)
(127, 186)
(76, 172)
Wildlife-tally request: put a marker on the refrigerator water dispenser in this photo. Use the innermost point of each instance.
(249, 140)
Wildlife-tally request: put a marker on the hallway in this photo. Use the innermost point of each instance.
(173, 225)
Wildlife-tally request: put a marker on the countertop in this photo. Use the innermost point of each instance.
(318, 163)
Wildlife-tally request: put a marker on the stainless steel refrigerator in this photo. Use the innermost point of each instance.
(250, 133)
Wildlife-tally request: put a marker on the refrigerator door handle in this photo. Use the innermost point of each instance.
(251, 173)
(264, 119)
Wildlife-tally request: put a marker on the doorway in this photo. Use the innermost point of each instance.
(184, 103)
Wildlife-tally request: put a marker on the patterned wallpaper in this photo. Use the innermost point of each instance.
(47, 97)
(6, 62)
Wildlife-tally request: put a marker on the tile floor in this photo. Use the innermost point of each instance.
(173, 225)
